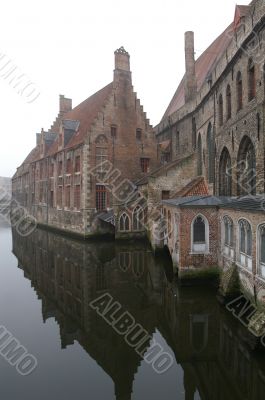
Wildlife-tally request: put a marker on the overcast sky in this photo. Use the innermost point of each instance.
(66, 47)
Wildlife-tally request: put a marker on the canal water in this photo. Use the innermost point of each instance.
(47, 284)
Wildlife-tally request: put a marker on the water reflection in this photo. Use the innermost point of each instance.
(211, 347)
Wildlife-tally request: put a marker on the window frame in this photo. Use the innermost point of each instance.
(203, 247)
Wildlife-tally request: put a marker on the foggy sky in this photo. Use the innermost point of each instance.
(66, 47)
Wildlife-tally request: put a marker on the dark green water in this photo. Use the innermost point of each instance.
(46, 285)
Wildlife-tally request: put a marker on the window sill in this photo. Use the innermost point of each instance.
(196, 253)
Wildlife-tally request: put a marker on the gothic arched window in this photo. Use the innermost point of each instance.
(228, 102)
(239, 89)
(200, 234)
(199, 150)
(225, 174)
(138, 218)
(245, 243)
(261, 252)
(221, 110)
(246, 168)
(210, 148)
(124, 222)
(251, 80)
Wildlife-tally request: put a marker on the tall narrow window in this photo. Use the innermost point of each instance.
(124, 222)
(60, 168)
(139, 134)
(245, 238)
(199, 155)
(113, 131)
(228, 102)
(177, 142)
(225, 174)
(60, 196)
(77, 197)
(200, 234)
(77, 164)
(239, 87)
(194, 133)
(69, 166)
(251, 80)
(101, 197)
(211, 155)
(138, 218)
(228, 231)
(246, 168)
(261, 245)
(221, 110)
(145, 164)
(68, 196)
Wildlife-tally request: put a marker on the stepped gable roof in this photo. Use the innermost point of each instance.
(196, 187)
(203, 66)
(86, 112)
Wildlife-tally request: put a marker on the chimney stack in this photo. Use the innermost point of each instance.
(190, 77)
(65, 104)
(122, 64)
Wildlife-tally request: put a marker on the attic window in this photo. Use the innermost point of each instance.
(138, 134)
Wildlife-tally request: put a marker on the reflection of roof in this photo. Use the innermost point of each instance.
(203, 66)
(198, 201)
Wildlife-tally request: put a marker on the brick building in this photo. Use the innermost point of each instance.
(88, 157)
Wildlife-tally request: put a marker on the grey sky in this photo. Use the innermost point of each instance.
(66, 47)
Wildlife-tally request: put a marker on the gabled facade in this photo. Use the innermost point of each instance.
(78, 168)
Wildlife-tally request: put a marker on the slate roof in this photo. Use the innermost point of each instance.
(198, 201)
(247, 203)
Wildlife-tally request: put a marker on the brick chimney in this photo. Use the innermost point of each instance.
(190, 77)
(122, 64)
(65, 104)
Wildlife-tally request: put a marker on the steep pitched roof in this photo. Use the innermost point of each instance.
(203, 66)
(196, 187)
(86, 112)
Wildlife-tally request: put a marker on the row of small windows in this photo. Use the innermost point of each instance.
(239, 93)
(245, 243)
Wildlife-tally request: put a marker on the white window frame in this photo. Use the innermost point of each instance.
(260, 265)
(123, 215)
(244, 259)
(228, 248)
(200, 248)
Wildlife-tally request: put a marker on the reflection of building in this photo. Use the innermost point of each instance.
(210, 345)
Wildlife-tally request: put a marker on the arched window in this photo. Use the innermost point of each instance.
(246, 168)
(225, 174)
(228, 102)
(138, 218)
(251, 80)
(199, 159)
(200, 234)
(210, 148)
(138, 265)
(194, 133)
(239, 90)
(261, 252)
(169, 224)
(124, 261)
(228, 237)
(245, 243)
(124, 223)
(221, 110)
